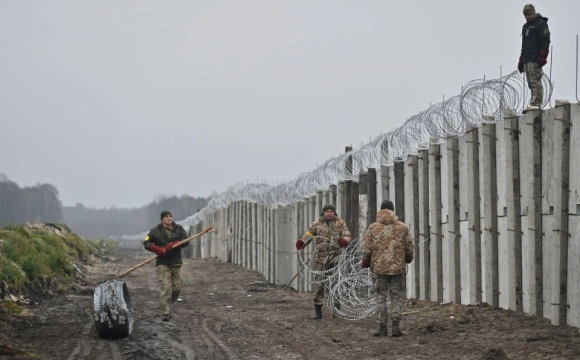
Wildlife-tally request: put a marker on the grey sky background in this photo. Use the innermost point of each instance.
(115, 102)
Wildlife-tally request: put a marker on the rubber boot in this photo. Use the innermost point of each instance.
(382, 331)
(396, 331)
(337, 306)
(317, 312)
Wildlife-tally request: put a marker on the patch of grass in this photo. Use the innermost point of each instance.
(11, 273)
(27, 256)
(103, 245)
(11, 307)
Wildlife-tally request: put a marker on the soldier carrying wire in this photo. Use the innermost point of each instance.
(328, 229)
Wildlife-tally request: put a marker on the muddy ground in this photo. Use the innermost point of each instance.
(229, 312)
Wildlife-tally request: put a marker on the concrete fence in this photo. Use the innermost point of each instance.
(495, 217)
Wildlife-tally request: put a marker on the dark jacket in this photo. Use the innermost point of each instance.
(158, 236)
(535, 37)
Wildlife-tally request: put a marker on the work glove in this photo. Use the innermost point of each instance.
(521, 65)
(364, 264)
(160, 251)
(342, 242)
(172, 245)
(543, 58)
(299, 244)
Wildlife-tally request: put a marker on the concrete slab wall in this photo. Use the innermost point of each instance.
(495, 217)
(573, 315)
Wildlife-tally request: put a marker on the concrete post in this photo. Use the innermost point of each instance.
(451, 233)
(474, 216)
(340, 203)
(355, 209)
(555, 191)
(573, 290)
(411, 208)
(296, 234)
(372, 195)
(198, 229)
(488, 220)
(284, 262)
(530, 143)
(385, 186)
(348, 204)
(332, 195)
(274, 244)
(424, 230)
(436, 235)
(363, 204)
(318, 203)
(399, 190)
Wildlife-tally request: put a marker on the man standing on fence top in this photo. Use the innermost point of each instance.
(163, 240)
(330, 231)
(534, 55)
(387, 247)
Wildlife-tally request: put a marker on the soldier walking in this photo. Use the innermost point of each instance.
(534, 54)
(387, 247)
(329, 230)
(163, 240)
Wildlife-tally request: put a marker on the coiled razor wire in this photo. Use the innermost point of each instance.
(346, 284)
(480, 102)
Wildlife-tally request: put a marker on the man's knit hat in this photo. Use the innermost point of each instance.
(164, 213)
(529, 9)
(328, 207)
(387, 204)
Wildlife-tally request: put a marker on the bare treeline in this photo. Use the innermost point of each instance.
(41, 203)
(94, 223)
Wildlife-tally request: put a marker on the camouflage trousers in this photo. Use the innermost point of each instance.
(389, 286)
(170, 283)
(320, 287)
(534, 74)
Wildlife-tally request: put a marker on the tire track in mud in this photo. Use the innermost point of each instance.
(250, 330)
(229, 353)
(88, 346)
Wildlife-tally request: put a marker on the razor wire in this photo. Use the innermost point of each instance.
(349, 289)
(480, 102)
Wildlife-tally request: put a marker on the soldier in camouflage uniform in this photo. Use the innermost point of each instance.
(329, 230)
(534, 54)
(387, 247)
(163, 240)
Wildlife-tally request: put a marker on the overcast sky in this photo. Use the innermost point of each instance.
(114, 102)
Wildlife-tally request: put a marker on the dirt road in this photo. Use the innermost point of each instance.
(228, 312)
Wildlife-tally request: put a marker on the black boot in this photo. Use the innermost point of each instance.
(337, 306)
(396, 331)
(382, 331)
(317, 312)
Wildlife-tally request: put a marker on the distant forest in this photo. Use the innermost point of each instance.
(41, 203)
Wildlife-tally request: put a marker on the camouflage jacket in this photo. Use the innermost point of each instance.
(328, 232)
(388, 245)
